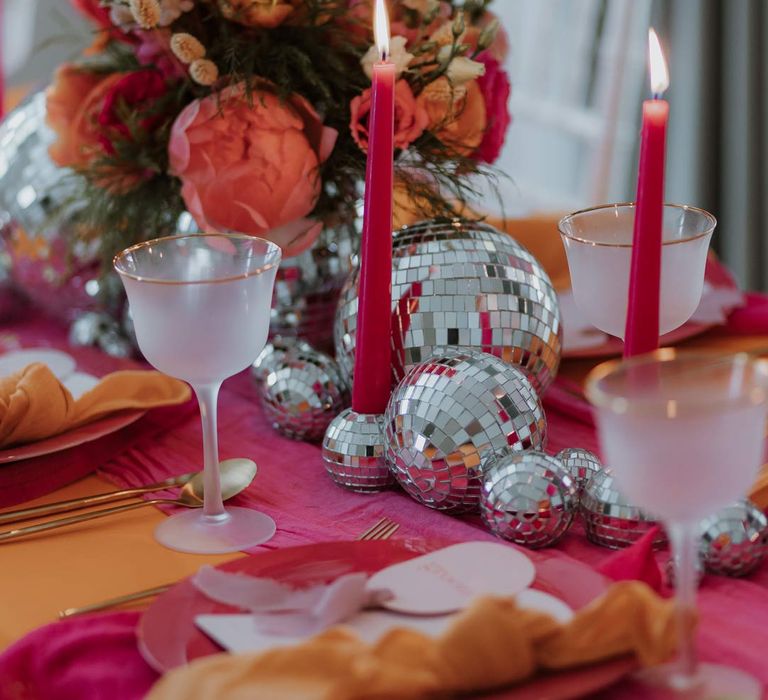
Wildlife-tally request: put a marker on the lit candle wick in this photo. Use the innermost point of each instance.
(381, 29)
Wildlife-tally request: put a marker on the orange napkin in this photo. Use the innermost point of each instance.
(34, 404)
(759, 491)
(491, 645)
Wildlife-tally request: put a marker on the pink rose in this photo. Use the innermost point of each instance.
(495, 87)
(136, 92)
(252, 165)
(154, 50)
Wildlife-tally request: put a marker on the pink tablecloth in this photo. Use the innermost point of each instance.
(96, 657)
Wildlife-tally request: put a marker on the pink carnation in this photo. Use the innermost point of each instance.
(252, 165)
(495, 87)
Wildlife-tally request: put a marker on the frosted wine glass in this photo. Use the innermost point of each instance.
(200, 307)
(598, 245)
(683, 435)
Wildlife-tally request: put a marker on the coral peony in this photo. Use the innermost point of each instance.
(456, 114)
(73, 101)
(251, 165)
(410, 117)
(257, 13)
(495, 88)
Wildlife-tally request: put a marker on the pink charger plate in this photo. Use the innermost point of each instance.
(168, 637)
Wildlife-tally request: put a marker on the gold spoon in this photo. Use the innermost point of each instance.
(236, 476)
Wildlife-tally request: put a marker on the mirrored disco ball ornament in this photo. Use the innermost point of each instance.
(528, 498)
(101, 330)
(669, 570)
(734, 541)
(302, 393)
(610, 520)
(353, 452)
(581, 464)
(272, 356)
(450, 413)
(468, 285)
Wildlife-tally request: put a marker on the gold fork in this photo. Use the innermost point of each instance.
(381, 530)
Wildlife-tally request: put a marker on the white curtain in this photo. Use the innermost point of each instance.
(718, 138)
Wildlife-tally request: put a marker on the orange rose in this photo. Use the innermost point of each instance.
(456, 114)
(410, 117)
(257, 13)
(73, 103)
(251, 165)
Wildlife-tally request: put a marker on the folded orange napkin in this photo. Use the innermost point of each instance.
(491, 645)
(34, 404)
(759, 491)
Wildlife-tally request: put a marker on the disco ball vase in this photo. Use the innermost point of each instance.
(462, 284)
(36, 196)
(451, 413)
(307, 287)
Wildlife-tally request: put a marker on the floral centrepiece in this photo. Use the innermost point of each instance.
(253, 114)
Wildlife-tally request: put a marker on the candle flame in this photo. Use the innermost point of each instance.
(659, 72)
(381, 29)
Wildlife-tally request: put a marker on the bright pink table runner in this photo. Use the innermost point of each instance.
(96, 657)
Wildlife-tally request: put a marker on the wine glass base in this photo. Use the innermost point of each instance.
(711, 681)
(196, 533)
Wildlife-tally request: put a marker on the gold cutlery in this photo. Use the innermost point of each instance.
(88, 501)
(236, 476)
(382, 530)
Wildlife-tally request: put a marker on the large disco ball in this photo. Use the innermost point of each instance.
(308, 285)
(464, 284)
(37, 197)
(450, 414)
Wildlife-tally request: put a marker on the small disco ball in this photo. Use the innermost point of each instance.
(353, 452)
(609, 519)
(101, 330)
(302, 394)
(528, 498)
(669, 569)
(581, 464)
(734, 541)
(272, 356)
(449, 414)
(464, 284)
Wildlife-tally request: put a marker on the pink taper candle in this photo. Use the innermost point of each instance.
(2, 62)
(373, 355)
(642, 329)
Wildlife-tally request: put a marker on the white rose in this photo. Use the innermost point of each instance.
(462, 70)
(397, 54)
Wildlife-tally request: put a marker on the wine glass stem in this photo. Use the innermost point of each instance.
(207, 397)
(684, 544)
